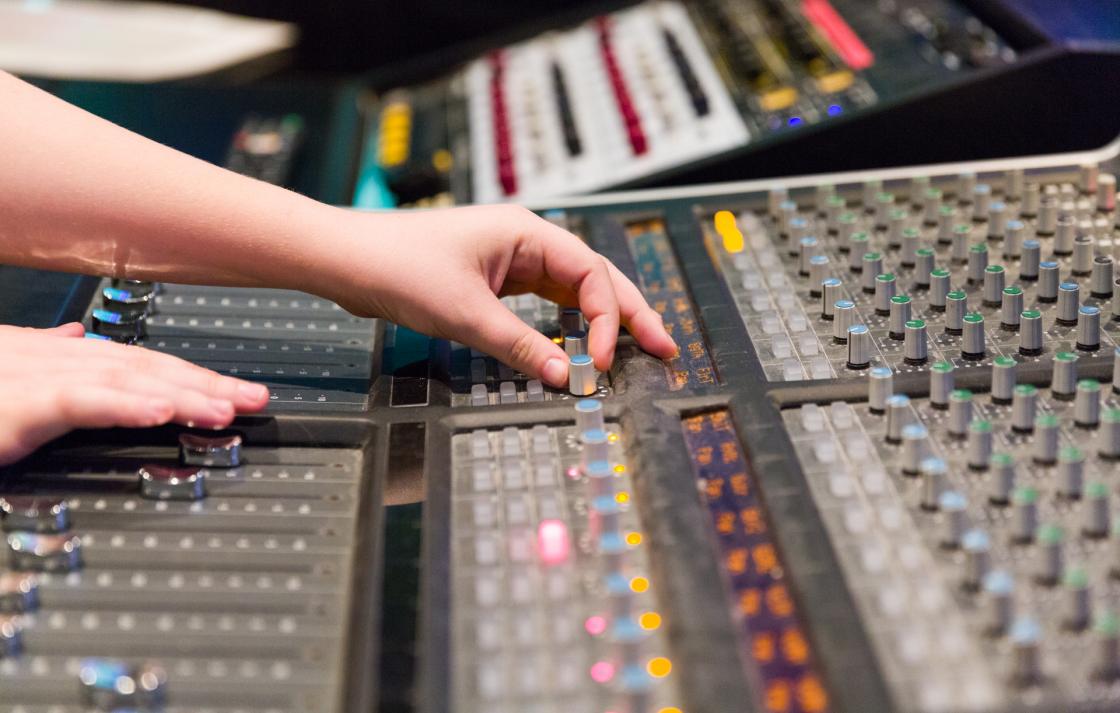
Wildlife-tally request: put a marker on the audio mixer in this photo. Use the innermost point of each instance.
(666, 93)
(877, 477)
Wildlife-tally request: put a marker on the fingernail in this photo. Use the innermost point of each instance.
(252, 392)
(555, 372)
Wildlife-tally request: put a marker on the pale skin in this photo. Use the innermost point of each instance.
(79, 194)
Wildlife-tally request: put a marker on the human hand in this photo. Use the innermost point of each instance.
(54, 380)
(441, 272)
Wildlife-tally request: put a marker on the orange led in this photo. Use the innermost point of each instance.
(622, 498)
(634, 539)
(650, 621)
(659, 667)
(620, 469)
(639, 584)
(669, 710)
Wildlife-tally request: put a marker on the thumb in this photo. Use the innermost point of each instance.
(503, 335)
(70, 329)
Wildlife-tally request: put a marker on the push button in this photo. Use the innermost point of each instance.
(158, 482)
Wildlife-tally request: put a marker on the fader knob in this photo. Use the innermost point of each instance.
(1106, 193)
(1096, 512)
(899, 311)
(159, 482)
(973, 344)
(11, 636)
(994, 282)
(1071, 472)
(859, 347)
(843, 318)
(1029, 261)
(1002, 482)
(954, 509)
(1047, 282)
(1063, 380)
(1045, 451)
(1087, 403)
(934, 474)
(1013, 183)
(898, 416)
(1108, 438)
(940, 384)
(977, 548)
(956, 305)
(1024, 404)
(1100, 285)
(999, 590)
(31, 513)
(117, 326)
(880, 387)
(1030, 332)
(1069, 298)
(1004, 374)
(830, 295)
(1026, 637)
(1024, 502)
(1011, 308)
(1089, 328)
(31, 552)
(581, 375)
(1049, 558)
(914, 348)
(210, 451)
(979, 444)
(19, 593)
(960, 412)
(938, 289)
(1107, 630)
(977, 263)
(915, 444)
(589, 415)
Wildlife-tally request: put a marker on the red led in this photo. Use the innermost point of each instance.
(553, 544)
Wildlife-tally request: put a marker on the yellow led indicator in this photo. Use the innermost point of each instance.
(659, 667)
(650, 621)
(613, 438)
(622, 498)
(669, 710)
(442, 160)
(620, 469)
(834, 82)
(639, 585)
(634, 539)
(778, 99)
(729, 231)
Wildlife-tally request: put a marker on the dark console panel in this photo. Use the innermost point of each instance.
(670, 93)
(878, 477)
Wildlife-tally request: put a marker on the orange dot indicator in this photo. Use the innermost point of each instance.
(669, 710)
(639, 584)
(728, 230)
(650, 621)
(659, 667)
(634, 539)
(620, 469)
(622, 498)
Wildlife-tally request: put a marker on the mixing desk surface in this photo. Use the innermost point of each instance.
(664, 92)
(878, 477)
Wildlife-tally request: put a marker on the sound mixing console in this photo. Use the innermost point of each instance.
(663, 92)
(878, 477)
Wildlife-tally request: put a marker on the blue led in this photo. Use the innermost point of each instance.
(581, 359)
(105, 315)
(91, 335)
(794, 120)
(102, 673)
(118, 295)
(835, 109)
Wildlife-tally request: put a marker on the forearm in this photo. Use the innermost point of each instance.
(80, 194)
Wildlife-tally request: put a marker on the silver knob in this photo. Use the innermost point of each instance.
(1024, 406)
(999, 590)
(915, 439)
(1002, 481)
(884, 205)
(859, 346)
(885, 288)
(923, 267)
(1087, 403)
(871, 189)
(934, 474)
(946, 222)
(1071, 472)
(960, 236)
(818, 273)
(1026, 637)
(977, 263)
(931, 206)
(858, 246)
(1063, 380)
(845, 229)
(582, 380)
(1047, 215)
(589, 415)
(1106, 193)
(1087, 175)
(960, 412)
(979, 444)
(940, 384)
(1107, 629)
(898, 416)
(844, 314)
(1047, 281)
(1083, 248)
(1069, 298)
(956, 305)
(807, 247)
(914, 348)
(997, 221)
(1064, 235)
(1028, 263)
(1100, 285)
(1108, 439)
(1045, 451)
(1024, 502)
(938, 289)
(994, 282)
(831, 289)
(1013, 184)
(954, 509)
(911, 241)
(872, 268)
(1004, 373)
(981, 199)
(896, 223)
(1013, 239)
(977, 557)
(1031, 199)
(575, 343)
(880, 387)
(1050, 560)
(1096, 512)
(899, 311)
(1030, 332)
(1011, 308)
(775, 199)
(973, 344)
(966, 184)
(1089, 328)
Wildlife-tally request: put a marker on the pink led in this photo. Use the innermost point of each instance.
(553, 544)
(573, 473)
(595, 625)
(602, 671)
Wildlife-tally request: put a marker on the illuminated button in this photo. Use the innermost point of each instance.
(211, 451)
(729, 231)
(29, 552)
(118, 327)
(113, 685)
(124, 301)
(778, 99)
(34, 514)
(553, 543)
(19, 593)
(11, 637)
(159, 482)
